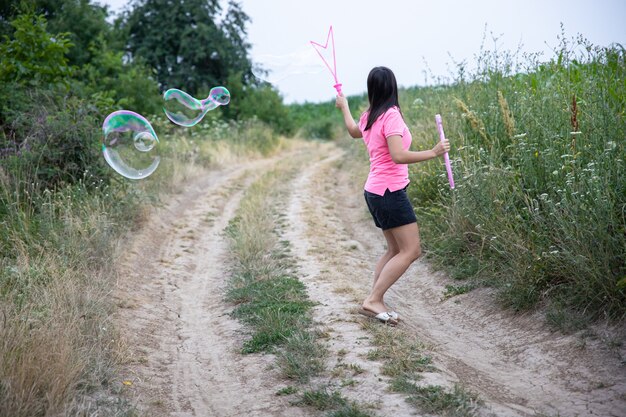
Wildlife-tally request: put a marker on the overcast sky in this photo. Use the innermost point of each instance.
(405, 34)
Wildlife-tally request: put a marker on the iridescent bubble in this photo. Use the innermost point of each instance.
(144, 141)
(276, 68)
(185, 110)
(219, 95)
(130, 144)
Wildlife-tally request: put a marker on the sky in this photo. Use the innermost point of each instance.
(414, 38)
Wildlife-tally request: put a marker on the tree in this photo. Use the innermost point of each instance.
(186, 44)
(82, 21)
(33, 56)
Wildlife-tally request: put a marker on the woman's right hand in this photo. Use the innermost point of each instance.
(341, 102)
(442, 147)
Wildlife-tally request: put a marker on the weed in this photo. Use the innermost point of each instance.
(269, 298)
(321, 399)
(435, 399)
(287, 390)
(453, 290)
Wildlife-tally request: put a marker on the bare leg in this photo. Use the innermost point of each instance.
(408, 242)
(392, 250)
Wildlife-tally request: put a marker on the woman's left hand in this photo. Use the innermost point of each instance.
(442, 147)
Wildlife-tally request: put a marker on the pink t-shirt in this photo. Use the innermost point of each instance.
(384, 173)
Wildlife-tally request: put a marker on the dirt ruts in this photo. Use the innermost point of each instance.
(183, 347)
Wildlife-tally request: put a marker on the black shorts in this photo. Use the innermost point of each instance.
(390, 210)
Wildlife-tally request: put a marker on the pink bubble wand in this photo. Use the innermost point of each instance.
(446, 158)
(332, 70)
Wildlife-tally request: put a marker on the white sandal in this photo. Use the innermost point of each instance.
(383, 317)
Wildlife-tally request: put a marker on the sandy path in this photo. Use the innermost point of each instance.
(184, 346)
(517, 365)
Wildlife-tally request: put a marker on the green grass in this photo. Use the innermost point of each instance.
(453, 290)
(323, 399)
(268, 296)
(435, 399)
(538, 156)
(404, 360)
(287, 390)
(59, 240)
(538, 210)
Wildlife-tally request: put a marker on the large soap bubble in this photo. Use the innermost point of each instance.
(130, 145)
(185, 110)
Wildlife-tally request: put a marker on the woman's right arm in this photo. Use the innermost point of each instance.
(342, 104)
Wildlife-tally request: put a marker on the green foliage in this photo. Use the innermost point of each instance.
(107, 80)
(51, 138)
(257, 102)
(457, 402)
(320, 120)
(539, 206)
(33, 56)
(185, 45)
(83, 21)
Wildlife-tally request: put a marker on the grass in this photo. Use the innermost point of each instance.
(273, 303)
(538, 155)
(435, 399)
(322, 399)
(404, 360)
(538, 210)
(58, 344)
(401, 354)
(59, 243)
(454, 290)
(268, 296)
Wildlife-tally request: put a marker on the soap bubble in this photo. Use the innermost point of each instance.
(276, 68)
(219, 96)
(185, 110)
(130, 144)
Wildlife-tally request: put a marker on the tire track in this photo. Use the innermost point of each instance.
(185, 345)
(517, 365)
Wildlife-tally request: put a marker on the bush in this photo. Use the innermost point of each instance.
(50, 138)
(539, 204)
(33, 56)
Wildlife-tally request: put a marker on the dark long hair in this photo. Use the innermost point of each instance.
(382, 92)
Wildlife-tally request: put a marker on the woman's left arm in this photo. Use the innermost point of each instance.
(401, 156)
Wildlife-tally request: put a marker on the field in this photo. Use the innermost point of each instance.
(241, 261)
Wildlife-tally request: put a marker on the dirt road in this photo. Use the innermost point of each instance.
(183, 347)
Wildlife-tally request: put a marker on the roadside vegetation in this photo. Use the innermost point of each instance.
(271, 300)
(539, 209)
(538, 150)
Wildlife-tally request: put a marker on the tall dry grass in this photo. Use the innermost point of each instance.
(59, 349)
(538, 156)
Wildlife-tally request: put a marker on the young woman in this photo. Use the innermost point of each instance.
(388, 140)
